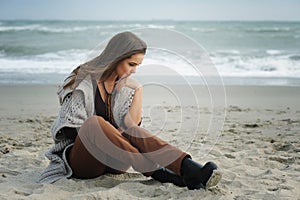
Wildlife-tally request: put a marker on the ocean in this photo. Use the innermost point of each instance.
(243, 53)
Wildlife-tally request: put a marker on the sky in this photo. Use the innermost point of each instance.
(283, 10)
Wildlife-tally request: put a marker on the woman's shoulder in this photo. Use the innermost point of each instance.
(85, 86)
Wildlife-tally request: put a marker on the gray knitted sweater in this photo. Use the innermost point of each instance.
(76, 107)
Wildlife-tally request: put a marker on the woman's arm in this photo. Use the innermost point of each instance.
(134, 116)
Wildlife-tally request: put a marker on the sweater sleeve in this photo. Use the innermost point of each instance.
(76, 107)
(121, 104)
(58, 167)
(72, 114)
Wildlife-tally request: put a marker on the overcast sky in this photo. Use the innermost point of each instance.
(151, 9)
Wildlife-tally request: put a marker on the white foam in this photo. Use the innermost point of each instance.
(270, 29)
(172, 64)
(203, 30)
(160, 26)
(229, 51)
(279, 66)
(60, 29)
(230, 62)
(19, 28)
(60, 62)
(131, 25)
(273, 52)
(163, 63)
(41, 28)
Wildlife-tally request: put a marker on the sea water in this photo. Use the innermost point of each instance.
(243, 53)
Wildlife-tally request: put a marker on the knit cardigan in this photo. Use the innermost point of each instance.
(77, 106)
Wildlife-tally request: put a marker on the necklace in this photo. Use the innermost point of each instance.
(106, 92)
(108, 103)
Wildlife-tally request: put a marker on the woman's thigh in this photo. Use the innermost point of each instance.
(83, 164)
(82, 161)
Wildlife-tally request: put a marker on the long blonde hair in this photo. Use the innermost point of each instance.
(121, 46)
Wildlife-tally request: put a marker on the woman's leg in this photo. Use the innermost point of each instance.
(193, 175)
(83, 164)
(156, 149)
(99, 147)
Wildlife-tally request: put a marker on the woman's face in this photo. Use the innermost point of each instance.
(129, 65)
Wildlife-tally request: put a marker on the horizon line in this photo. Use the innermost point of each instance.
(148, 20)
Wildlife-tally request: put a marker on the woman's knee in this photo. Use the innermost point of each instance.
(91, 125)
(94, 121)
(96, 125)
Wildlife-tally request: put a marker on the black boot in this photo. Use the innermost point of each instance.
(197, 176)
(164, 175)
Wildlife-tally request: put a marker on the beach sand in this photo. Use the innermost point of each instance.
(257, 150)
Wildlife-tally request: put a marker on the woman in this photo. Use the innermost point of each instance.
(97, 130)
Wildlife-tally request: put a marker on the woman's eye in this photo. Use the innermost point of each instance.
(131, 64)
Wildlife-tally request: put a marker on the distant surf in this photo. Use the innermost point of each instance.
(49, 50)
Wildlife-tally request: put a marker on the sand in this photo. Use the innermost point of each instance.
(257, 149)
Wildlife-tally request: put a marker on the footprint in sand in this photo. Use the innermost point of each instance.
(283, 147)
(284, 160)
(5, 172)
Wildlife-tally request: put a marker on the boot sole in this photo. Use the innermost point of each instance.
(214, 179)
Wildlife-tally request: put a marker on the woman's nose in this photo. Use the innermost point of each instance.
(133, 70)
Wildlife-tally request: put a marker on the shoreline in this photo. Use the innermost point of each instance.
(57, 78)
